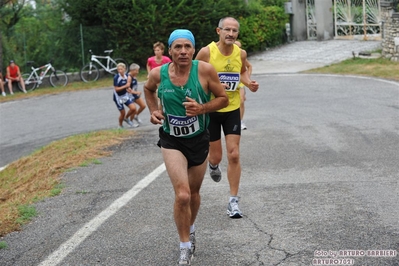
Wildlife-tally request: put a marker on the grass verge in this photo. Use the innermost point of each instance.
(105, 82)
(37, 176)
(378, 68)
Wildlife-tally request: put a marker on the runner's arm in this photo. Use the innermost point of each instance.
(150, 92)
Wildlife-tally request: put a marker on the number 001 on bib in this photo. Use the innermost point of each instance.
(182, 126)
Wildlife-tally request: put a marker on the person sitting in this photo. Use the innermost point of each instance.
(2, 85)
(14, 75)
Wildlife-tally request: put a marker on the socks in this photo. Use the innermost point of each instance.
(188, 244)
(235, 198)
(213, 167)
(185, 244)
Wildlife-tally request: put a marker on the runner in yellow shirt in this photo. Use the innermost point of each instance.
(227, 58)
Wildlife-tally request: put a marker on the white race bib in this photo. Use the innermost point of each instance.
(231, 79)
(182, 126)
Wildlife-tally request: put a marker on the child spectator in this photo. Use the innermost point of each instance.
(136, 95)
(122, 97)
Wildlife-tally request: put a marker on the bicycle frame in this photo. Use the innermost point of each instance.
(94, 58)
(40, 77)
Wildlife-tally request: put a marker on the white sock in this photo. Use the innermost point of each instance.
(213, 166)
(233, 197)
(192, 229)
(185, 244)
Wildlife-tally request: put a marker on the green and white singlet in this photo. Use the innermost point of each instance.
(176, 122)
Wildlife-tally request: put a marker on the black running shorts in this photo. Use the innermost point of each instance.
(229, 121)
(195, 149)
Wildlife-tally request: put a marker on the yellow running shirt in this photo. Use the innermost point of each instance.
(229, 69)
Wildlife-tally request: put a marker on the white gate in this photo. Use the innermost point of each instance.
(353, 19)
(311, 21)
(357, 19)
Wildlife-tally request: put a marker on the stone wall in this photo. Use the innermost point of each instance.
(390, 31)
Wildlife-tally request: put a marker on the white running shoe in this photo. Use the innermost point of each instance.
(185, 257)
(138, 120)
(232, 209)
(243, 126)
(130, 123)
(135, 124)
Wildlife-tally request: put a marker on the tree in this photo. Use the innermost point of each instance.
(10, 14)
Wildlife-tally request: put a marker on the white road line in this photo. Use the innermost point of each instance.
(67, 247)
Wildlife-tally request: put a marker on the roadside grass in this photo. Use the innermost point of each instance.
(3, 245)
(37, 176)
(103, 82)
(378, 68)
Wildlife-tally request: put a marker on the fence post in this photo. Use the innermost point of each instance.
(81, 41)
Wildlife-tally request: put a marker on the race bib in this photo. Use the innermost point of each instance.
(182, 126)
(231, 79)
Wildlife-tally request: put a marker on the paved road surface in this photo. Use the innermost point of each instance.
(320, 174)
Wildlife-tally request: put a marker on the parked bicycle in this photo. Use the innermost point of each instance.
(90, 72)
(33, 80)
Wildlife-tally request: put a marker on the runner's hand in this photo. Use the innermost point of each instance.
(157, 117)
(253, 86)
(192, 107)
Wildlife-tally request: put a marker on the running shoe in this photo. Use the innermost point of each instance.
(135, 124)
(185, 256)
(192, 240)
(232, 209)
(138, 120)
(3, 93)
(243, 126)
(130, 123)
(215, 173)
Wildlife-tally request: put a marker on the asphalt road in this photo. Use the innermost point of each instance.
(320, 175)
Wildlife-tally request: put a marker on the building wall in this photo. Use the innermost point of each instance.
(298, 21)
(390, 33)
(325, 20)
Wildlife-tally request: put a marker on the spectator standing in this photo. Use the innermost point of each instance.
(159, 59)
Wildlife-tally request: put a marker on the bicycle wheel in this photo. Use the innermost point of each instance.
(58, 78)
(30, 83)
(89, 73)
(112, 66)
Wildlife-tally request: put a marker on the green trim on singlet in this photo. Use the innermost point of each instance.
(172, 97)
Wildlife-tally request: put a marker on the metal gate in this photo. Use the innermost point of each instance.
(353, 19)
(357, 19)
(311, 20)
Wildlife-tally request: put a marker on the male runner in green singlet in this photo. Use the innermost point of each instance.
(184, 93)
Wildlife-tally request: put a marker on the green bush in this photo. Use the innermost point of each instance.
(156, 19)
(264, 29)
(129, 27)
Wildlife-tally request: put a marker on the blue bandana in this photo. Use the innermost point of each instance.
(181, 33)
